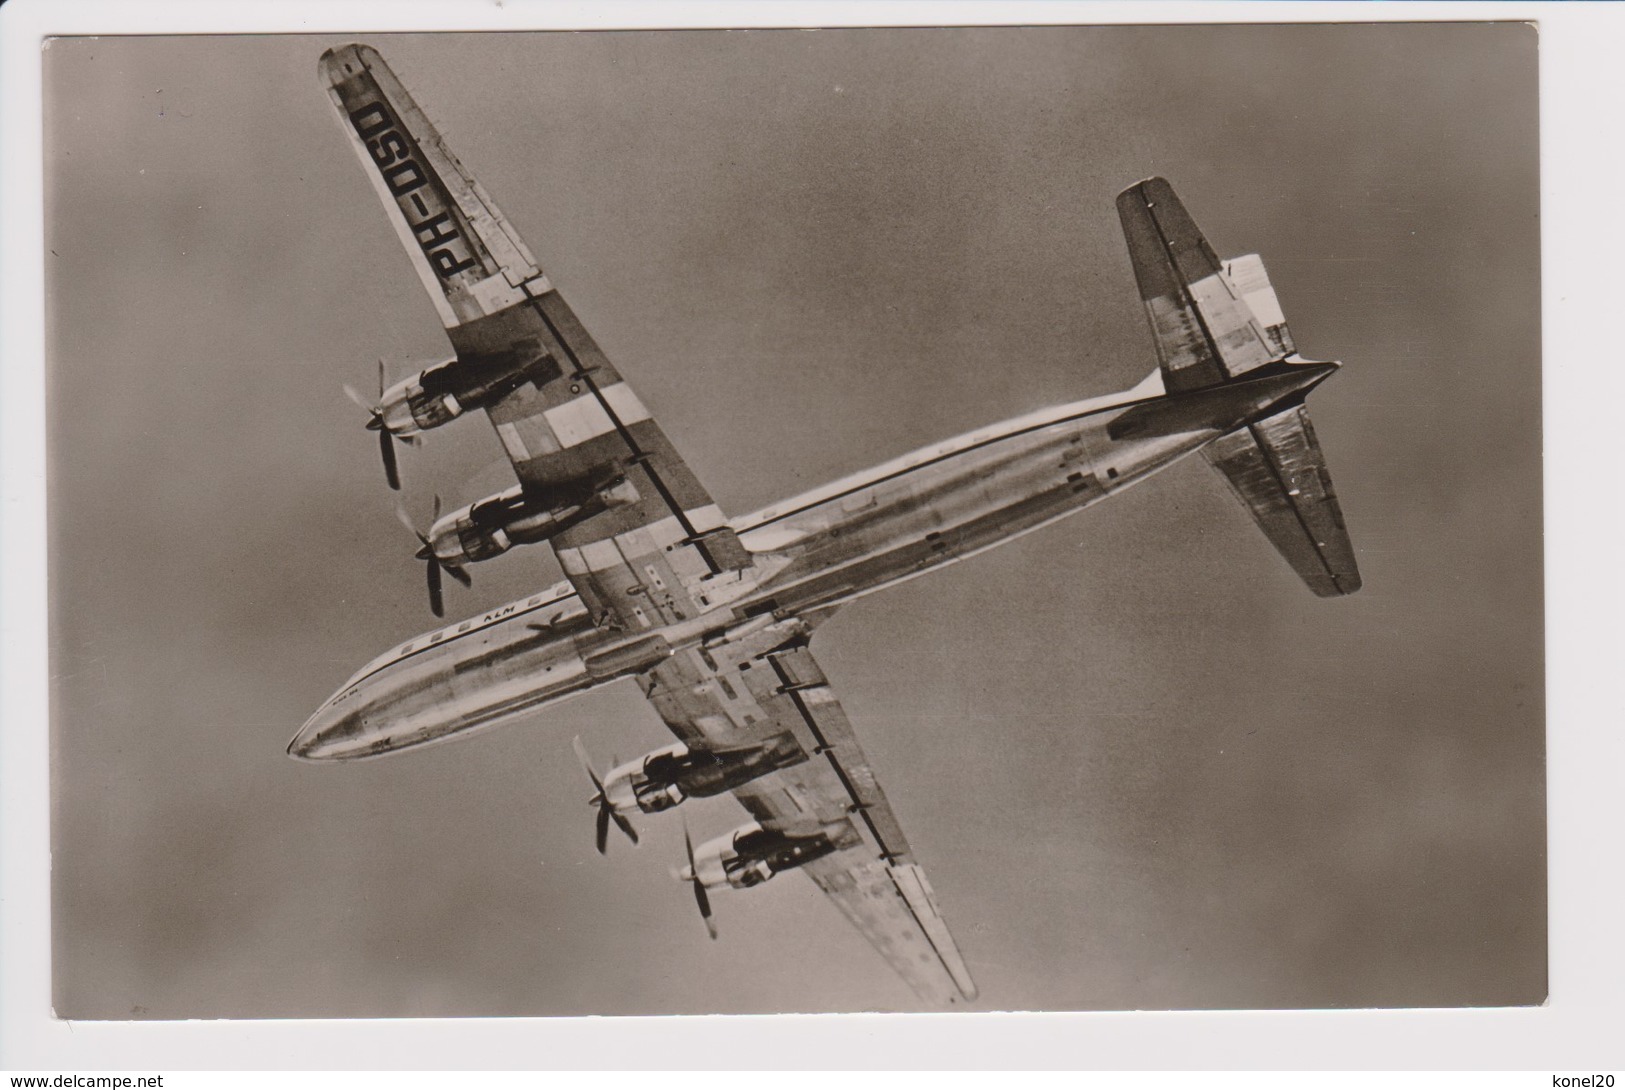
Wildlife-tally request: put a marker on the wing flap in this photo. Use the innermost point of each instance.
(755, 690)
(821, 720)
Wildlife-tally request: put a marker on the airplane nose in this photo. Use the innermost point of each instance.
(300, 746)
(312, 743)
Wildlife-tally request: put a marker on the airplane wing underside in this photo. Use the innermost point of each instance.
(756, 691)
(653, 549)
(571, 426)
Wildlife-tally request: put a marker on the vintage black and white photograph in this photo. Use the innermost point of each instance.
(770, 521)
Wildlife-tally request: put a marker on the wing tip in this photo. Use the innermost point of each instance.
(1146, 190)
(1341, 585)
(340, 63)
(344, 62)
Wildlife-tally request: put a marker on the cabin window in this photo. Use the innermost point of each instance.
(465, 626)
(407, 650)
(534, 602)
(436, 637)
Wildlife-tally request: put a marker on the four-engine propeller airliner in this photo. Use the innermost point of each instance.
(713, 616)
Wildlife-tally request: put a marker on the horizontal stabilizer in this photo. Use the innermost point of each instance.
(1276, 468)
(1198, 307)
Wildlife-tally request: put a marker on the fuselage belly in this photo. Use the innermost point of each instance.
(813, 553)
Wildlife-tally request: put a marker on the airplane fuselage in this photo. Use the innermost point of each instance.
(813, 552)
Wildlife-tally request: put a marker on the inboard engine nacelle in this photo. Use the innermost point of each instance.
(750, 855)
(492, 526)
(662, 779)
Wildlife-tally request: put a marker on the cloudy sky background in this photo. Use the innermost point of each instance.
(1143, 766)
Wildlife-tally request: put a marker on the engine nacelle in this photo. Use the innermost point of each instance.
(750, 855)
(442, 393)
(662, 779)
(421, 402)
(492, 526)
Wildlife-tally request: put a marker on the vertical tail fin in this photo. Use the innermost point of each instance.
(1204, 329)
(1216, 320)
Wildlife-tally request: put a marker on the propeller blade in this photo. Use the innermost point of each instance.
(436, 565)
(356, 396)
(406, 520)
(386, 448)
(586, 763)
(701, 898)
(704, 902)
(437, 604)
(601, 800)
(382, 384)
(621, 823)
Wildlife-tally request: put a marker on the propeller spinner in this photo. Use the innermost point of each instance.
(426, 553)
(606, 809)
(386, 438)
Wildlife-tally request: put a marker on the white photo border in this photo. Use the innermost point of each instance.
(1582, 86)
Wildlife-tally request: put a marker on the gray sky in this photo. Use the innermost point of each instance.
(1141, 764)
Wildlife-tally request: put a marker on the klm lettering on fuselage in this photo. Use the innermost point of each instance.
(427, 211)
(497, 615)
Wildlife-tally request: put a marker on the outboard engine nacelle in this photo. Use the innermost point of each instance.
(492, 526)
(750, 855)
(660, 780)
(442, 393)
(421, 402)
